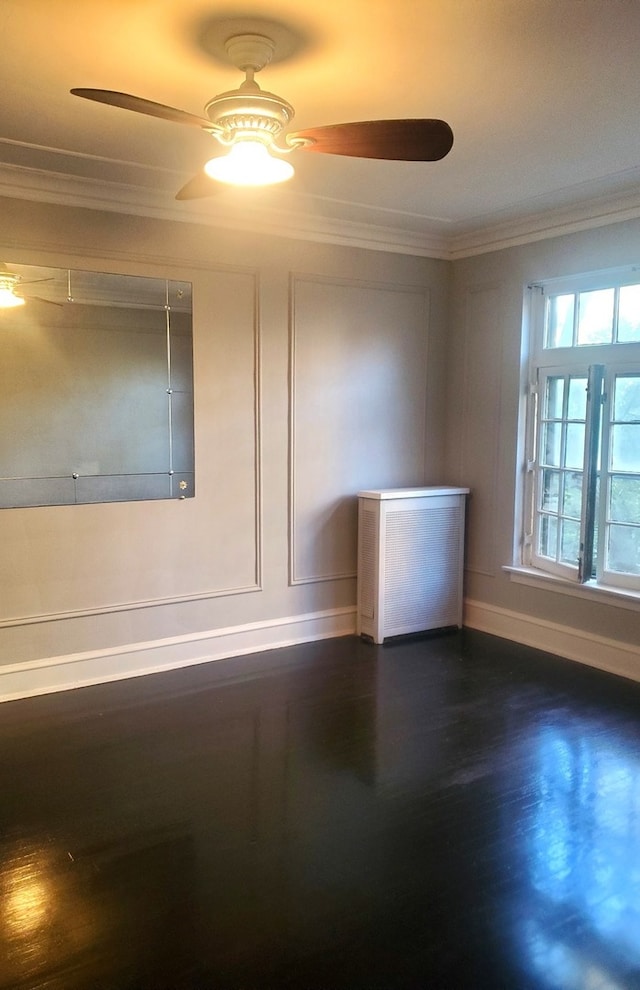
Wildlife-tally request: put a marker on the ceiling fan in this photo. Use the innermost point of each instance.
(249, 121)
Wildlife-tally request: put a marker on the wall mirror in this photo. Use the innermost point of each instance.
(96, 387)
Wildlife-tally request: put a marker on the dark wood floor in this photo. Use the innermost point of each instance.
(449, 813)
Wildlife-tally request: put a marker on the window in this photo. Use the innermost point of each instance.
(582, 505)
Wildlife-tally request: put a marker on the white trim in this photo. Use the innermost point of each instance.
(531, 227)
(590, 591)
(598, 365)
(609, 655)
(61, 673)
(257, 432)
(39, 185)
(129, 606)
(137, 193)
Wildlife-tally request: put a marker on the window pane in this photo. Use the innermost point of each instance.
(574, 453)
(629, 314)
(548, 537)
(577, 406)
(572, 494)
(555, 397)
(560, 321)
(626, 402)
(595, 317)
(623, 552)
(551, 444)
(570, 542)
(550, 490)
(625, 448)
(624, 499)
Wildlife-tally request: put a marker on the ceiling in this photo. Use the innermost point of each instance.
(543, 97)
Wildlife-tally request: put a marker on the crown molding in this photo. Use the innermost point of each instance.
(42, 185)
(587, 215)
(55, 180)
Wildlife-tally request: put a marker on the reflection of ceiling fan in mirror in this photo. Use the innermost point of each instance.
(249, 121)
(12, 287)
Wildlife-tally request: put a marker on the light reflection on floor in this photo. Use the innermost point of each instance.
(564, 967)
(583, 852)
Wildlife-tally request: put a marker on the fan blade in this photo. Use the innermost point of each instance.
(48, 302)
(198, 187)
(394, 140)
(30, 299)
(136, 103)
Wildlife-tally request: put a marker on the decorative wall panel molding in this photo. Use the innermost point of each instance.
(357, 418)
(141, 554)
(133, 606)
(479, 454)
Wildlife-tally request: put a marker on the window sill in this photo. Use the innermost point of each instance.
(619, 597)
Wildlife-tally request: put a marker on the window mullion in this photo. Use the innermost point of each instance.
(605, 458)
(562, 481)
(616, 313)
(590, 476)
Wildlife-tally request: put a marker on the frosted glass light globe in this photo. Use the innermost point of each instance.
(249, 164)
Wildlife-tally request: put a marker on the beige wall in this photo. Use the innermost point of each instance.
(484, 369)
(318, 371)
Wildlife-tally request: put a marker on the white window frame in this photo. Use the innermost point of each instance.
(576, 361)
(538, 515)
(603, 575)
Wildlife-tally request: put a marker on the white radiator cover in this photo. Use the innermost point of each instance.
(410, 560)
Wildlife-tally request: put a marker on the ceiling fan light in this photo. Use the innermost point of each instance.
(249, 163)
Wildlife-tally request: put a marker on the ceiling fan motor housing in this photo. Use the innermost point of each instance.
(249, 112)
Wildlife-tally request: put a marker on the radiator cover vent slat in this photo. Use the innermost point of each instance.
(420, 584)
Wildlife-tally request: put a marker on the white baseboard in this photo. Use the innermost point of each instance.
(574, 644)
(61, 673)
